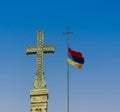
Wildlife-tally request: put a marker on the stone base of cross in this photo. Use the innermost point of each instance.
(39, 100)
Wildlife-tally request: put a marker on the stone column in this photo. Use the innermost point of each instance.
(39, 100)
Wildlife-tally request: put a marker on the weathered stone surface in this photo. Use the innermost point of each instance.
(39, 100)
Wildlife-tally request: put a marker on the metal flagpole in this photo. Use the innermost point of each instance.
(68, 38)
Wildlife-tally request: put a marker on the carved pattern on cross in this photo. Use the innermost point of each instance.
(40, 49)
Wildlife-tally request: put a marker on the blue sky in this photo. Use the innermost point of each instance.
(96, 33)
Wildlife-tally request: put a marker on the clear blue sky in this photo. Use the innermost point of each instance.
(96, 27)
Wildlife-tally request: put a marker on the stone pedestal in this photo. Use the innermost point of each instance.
(39, 100)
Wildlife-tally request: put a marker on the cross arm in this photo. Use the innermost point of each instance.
(31, 50)
(48, 49)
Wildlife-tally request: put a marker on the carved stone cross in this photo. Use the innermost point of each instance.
(40, 49)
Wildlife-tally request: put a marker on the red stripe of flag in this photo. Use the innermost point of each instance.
(75, 53)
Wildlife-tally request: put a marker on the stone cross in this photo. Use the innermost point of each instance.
(40, 49)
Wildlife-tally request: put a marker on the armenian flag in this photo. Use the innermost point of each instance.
(75, 58)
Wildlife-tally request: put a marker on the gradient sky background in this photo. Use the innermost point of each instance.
(96, 27)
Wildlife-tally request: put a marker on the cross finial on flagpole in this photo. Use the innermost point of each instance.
(68, 33)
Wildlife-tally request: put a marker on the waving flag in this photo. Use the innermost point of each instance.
(75, 58)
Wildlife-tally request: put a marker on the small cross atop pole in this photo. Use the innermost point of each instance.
(68, 33)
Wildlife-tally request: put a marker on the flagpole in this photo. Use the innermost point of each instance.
(68, 82)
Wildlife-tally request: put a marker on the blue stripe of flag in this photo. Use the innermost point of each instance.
(76, 59)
